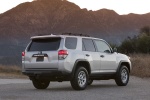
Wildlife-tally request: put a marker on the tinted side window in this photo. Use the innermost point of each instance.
(71, 43)
(83, 47)
(88, 44)
(48, 44)
(102, 46)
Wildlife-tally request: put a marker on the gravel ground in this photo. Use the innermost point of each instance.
(22, 89)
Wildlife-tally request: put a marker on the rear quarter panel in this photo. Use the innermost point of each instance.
(67, 64)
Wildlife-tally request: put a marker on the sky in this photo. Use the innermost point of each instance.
(9, 4)
(120, 6)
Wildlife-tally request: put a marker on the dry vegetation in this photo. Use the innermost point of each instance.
(10, 72)
(141, 65)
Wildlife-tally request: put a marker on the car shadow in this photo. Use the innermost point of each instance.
(69, 88)
(95, 86)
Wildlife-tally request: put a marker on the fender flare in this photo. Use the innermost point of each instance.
(119, 66)
(75, 66)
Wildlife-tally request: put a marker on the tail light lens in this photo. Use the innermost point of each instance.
(23, 55)
(62, 54)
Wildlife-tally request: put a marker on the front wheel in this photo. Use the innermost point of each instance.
(39, 84)
(80, 79)
(122, 76)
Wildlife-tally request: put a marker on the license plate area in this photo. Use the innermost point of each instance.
(39, 59)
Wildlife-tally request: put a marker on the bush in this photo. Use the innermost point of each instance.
(136, 45)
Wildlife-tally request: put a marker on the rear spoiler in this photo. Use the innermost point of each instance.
(45, 36)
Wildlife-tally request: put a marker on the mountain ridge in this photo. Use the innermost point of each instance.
(56, 16)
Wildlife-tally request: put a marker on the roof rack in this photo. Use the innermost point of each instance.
(75, 34)
(44, 34)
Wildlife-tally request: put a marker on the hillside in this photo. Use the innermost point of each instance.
(57, 16)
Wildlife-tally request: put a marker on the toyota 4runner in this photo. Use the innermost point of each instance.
(78, 59)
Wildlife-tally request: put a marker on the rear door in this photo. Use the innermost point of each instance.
(91, 55)
(42, 53)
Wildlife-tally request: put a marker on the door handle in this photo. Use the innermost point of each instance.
(102, 56)
(87, 55)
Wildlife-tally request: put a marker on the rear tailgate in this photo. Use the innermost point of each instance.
(42, 53)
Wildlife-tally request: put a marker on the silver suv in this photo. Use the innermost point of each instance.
(78, 59)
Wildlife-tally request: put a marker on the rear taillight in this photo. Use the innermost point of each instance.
(62, 54)
(23, 56)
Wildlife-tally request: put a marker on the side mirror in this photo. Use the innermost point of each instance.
(115, 49)
(107, 51)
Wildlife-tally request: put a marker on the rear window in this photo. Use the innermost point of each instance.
(71, 43)
(49, 44)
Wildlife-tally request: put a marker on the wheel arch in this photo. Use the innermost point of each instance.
(124, 63)
(81, 62)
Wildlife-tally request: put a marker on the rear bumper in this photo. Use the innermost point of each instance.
(49, 74)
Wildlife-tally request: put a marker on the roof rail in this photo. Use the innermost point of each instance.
(75, 34)
(44, 34)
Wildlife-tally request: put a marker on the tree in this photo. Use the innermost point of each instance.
(137, 44)
(127, 47)
(144, 44)
(145, 31)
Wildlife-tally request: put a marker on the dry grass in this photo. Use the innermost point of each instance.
(140, 65)
(10, 72)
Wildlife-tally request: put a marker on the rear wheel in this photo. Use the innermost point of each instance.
(80, 79)
(40, 84)
(122, 76)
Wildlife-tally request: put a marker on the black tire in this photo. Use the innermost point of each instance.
(80, 84)
(90, 81)
(122, 76)
(39, 84)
